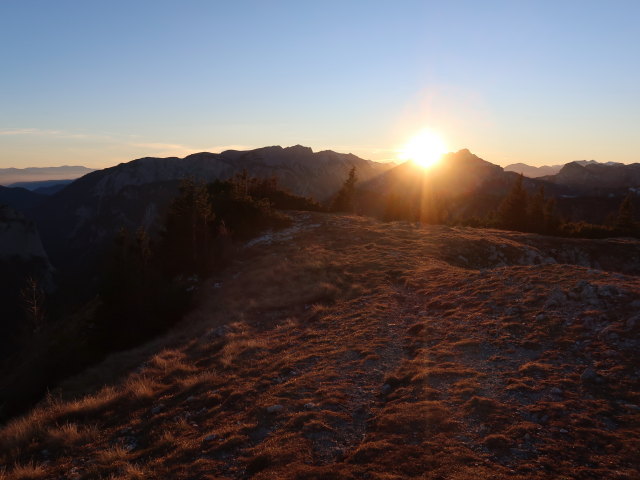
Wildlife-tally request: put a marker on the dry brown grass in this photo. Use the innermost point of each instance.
(69, 435)
(241, 350)
(362, 350)
(27, 471)
(142, 387)
(113, 461)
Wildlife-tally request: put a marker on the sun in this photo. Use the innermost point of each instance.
(426, 149)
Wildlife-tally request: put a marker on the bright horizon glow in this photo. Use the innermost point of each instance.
(542, 83)
(426, 148)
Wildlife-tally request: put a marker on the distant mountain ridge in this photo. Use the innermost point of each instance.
(593, 175)
(88, 212)
(10, 176)
(532, 171)
(43, 187)
(547, 170)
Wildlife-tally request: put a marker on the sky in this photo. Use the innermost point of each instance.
(97, 82)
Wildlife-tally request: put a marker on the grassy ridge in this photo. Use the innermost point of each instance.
(345, 348)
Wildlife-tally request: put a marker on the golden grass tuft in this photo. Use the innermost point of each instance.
(111, 456)
(141, 387)
(238, 350)
(69, 435)
(170, 363)
(132, 471)
(198, 379)
(87, 405)
(20, 431)
(28, 471)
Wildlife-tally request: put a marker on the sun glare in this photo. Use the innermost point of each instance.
(426, 148)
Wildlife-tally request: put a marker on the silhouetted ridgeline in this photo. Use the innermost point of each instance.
(466, 190)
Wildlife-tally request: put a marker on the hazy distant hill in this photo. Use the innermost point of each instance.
(9, 176)
(593, 175)
(533, 172)
(43, 187)
(546, 170)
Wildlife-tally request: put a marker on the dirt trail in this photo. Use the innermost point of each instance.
(347, 348)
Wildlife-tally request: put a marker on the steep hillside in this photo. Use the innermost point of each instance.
(22, 259)
(344, 348)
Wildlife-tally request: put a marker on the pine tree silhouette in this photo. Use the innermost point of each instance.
(624, 220)
(513, 210)
(343, 201)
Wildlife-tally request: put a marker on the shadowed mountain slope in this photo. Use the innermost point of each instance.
(20, 198)
(347, 348)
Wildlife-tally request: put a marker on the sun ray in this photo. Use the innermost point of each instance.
(425, 148)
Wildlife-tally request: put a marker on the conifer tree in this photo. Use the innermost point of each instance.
(624, 220)
(552, 221)
(33, 302)
(513, 210)
(187, 235)
(343, 201)
(537, 222)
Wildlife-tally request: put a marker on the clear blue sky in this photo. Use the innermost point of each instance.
(95, 82)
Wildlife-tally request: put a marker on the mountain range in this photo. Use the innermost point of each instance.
(85, 214)
(546, 170)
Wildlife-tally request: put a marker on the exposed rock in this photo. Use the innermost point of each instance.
(609, 291)
(632, 322)
(556, 298)
(589, 376)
